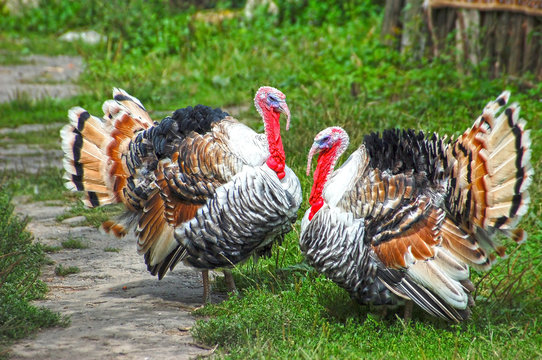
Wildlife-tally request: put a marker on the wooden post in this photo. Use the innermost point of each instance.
(391, 25)
(413, 38)
(501, 40)
(467, 26)
(507, 35)
(530, 40)
(516, 44)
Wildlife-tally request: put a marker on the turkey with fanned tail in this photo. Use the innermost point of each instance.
(199, 187)
(407, 214)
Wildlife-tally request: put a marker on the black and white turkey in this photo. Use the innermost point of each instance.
(407, 214)
(199, 187)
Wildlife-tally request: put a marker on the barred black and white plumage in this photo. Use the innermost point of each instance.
(199, 186)
(408, 213)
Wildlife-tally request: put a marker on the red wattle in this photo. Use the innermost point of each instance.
(276, 161)
(315, 207)
(326, 161)
(272, 163)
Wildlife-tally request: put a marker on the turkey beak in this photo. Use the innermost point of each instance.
(283, 108)
(314, 149)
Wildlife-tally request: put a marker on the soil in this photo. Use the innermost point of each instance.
(117, 309)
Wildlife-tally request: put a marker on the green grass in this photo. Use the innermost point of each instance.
(44, 111)
(94, 217)
(316, 320)
(62, 270)
(46, 185)
(51, 248)
(74, 243)
(335, 71)
(111, 249)
(47, 138)
(9, 58)
(20, 262)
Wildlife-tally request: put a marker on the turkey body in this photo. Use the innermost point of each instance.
(407, 214)
(197, 186)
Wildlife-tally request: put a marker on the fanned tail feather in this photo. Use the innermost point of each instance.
(489, 184)
(94, 148)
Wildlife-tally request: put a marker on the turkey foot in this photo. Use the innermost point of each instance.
(230, 283)
(206, 293)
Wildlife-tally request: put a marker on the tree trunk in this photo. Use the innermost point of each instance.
(391, 25)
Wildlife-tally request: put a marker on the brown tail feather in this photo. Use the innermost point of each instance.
(490, 179)
(111, 227)
(93, 149)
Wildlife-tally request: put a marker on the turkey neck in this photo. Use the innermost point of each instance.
(324, 167)
(276, 160)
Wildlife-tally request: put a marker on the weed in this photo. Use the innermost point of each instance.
(49, 261)
(74, 243)
(51, 248)
(95, 216)
(60, 270)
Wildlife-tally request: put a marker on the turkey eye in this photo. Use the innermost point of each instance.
(325, 139)
(272, 98)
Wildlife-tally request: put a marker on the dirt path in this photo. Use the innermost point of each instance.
(40, 76)
(117, 309)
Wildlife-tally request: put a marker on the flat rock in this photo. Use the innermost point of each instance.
(74, 220)
(89, 37)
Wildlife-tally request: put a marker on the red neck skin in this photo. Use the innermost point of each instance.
(277, 158)
(324, 167)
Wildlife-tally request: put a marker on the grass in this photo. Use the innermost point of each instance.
(62, 270)
(51, 248)
(335, 71)
(20, 262)
(111, 249)
(47, 138)
(46, 185)
(74, 243)
(94, 217)
(44, 111)
(316, 320)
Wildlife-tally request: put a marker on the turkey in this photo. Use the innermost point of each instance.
(407, 214)
(198, 187)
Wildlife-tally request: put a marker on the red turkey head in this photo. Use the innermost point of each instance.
(268, 99)
(331, 141)
(329, 144)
